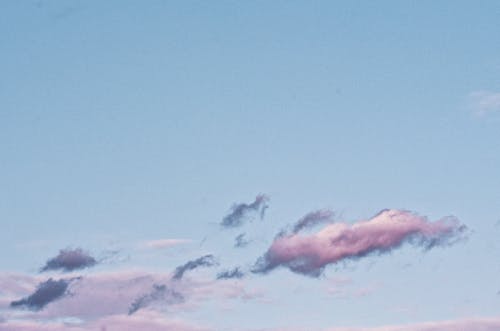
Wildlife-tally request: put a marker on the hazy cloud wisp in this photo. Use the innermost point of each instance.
(240, 211)
(204, 261)
(159, 293)
(230, 274)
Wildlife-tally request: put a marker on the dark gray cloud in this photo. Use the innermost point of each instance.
(45, 293)
(229, 274)
(241, 241)
(240, 211)
(69, 260)
(313, 218)
(160, 293)
(204, 261)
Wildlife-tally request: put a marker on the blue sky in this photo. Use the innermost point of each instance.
(123, 122)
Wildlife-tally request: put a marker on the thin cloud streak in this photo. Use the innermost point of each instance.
(144, 320)
(313, 218)
(485, 102)
(159, 293)
(166, 243)
(204, 261)
(475, 324)
(231, 274)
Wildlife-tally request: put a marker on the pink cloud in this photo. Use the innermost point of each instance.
(474, 324)
(147, 320)
(309, 254)
(112, 293)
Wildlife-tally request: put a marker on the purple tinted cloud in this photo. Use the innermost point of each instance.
(45, 293)
(309, 254)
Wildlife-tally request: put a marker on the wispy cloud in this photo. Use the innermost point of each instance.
(485, 102)
(242, 210)
(241, 241)
(230, 274)
(313, 218)
(476, 324)
(69, 260)
(161, 293)
(389, 229)
(204, 261)
(144, 320)
(165, 243)
(155, 321)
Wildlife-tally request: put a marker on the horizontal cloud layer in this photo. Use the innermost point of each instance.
(115, 293)
(477, 324)
(153, 321)
(309, 254)
(147, 320)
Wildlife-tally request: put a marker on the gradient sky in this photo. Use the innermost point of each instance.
(123, 123)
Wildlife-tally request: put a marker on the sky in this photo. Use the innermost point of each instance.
(249, 165)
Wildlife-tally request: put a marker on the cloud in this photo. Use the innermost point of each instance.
(204, 261)
(313, 218)
(476, 324)
(240, 211)
(113, 293)
(241, 241)
(45, 293)
(69, 260)
(309, 254)
(233, 273)
(166, 243)
(144, 320)
(485, 102)
(159, 293)
(155, 321)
